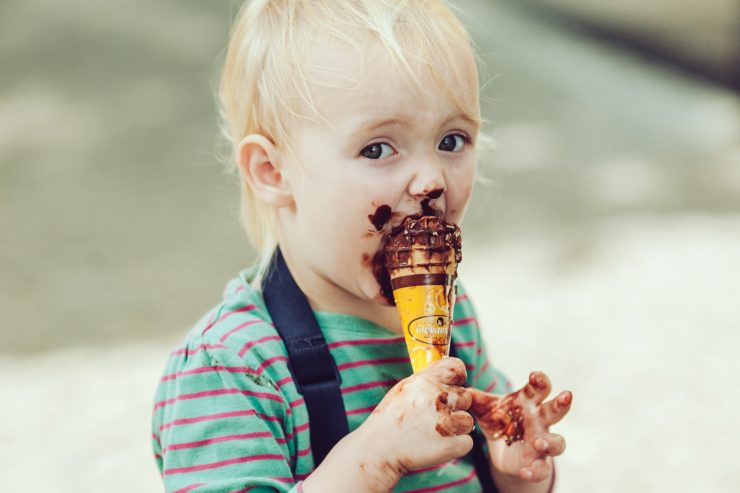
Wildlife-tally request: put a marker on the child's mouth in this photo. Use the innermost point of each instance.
(383, 217)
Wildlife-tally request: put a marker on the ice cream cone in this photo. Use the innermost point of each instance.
(421, 258)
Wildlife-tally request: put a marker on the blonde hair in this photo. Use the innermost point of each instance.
(266, 82)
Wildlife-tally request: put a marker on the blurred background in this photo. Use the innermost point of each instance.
(603, 248)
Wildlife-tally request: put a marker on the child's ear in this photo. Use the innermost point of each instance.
(259, 163)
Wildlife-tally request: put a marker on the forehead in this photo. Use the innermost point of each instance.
(347, 82)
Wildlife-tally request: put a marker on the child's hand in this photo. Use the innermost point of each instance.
(517, 427)
(422, 420)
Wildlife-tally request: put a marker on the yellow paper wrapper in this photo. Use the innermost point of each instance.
(426, 314)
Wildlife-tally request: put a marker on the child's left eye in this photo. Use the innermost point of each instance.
(453, 143)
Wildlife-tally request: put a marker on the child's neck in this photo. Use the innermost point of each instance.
(325, 295)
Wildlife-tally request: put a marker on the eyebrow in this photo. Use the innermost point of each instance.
(405, 122)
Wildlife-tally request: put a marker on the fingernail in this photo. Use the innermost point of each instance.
(527, 474)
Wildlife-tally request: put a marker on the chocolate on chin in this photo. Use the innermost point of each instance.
(421, 257)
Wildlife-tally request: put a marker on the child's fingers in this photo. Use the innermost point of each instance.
(458, 398)
(482, 402)
(538, 387)
(450, 371)
(460, 445)
(549, 444)
(455, 423)
(553, 410)
(537, 471)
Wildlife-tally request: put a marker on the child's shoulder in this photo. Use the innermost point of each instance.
(239, 328)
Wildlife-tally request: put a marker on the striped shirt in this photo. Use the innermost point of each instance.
(228, 418)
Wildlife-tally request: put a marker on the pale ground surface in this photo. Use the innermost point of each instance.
(606, 252)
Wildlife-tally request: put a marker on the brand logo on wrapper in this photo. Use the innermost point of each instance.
(431, 329)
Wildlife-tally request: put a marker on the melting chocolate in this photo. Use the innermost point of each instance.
(381, 216)
(383, 277)
(434, 233)
(435, 194)
(426, 209)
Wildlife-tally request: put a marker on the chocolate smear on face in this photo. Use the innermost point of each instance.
(383, 277)
(426, 209)
(381, 216)
(435, 194)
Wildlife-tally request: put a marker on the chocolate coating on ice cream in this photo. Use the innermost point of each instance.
(423, 241)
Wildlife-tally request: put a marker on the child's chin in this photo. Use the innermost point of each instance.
(381, 300)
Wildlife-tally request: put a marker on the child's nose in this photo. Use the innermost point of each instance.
(428, 179)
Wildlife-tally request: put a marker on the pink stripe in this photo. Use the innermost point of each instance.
(225, 438)
(156, 438)
(258, 341)
(189, 488)
(491, 386)
(210, 393)
(247, 308)
(230, 369)
(238, 328)
(358, 342)
(303, 452)
(462, 297)
(297, 430)
(361, 410)
(239, 288)
(200, 347)
(432, 468)
(444, 486)
(282, 480)
(270, 361)
(223, 463)
(283, 381)
(368, 385)
(234, 414)
(206, 369)
(213, 417)
(483, 368)
(465, 344)
(464, 321)
(372, 362)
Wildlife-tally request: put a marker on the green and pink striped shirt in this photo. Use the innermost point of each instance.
(228, 418)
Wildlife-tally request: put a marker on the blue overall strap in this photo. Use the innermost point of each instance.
(480, 460)
(314, 371)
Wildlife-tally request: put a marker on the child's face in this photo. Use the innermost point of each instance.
(381, 148)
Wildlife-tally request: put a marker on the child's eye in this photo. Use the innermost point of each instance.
(453, 143)
(377, 151)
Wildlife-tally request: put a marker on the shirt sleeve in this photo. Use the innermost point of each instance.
(221, 427)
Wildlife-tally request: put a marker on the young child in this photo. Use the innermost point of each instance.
(335, 109)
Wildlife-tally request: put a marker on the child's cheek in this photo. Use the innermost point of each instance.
(458, 202)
